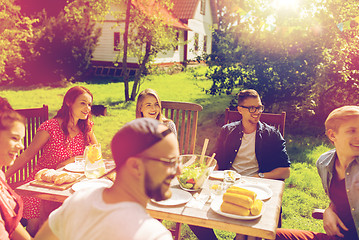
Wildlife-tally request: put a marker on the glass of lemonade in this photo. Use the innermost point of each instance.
(94, 164)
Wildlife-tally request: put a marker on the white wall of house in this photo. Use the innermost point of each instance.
(201, 24)
(105, 47)
(174, 55)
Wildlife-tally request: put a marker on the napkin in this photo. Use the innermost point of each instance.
(198, 201)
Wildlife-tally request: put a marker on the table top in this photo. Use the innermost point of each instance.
(264, 227)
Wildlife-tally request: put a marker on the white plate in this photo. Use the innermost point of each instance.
(92, 183)
(178, 197)
(220, 175)
(74, 167)
(216, 207)
(263, 192)
(190, 190)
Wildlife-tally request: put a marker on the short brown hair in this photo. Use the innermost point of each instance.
(339, 115)
(248, 93)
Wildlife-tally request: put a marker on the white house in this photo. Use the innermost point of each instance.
(194, 20)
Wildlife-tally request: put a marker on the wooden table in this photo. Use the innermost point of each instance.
(263, 227)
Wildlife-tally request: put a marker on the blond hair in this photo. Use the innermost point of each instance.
(140, 99)
(340, 115)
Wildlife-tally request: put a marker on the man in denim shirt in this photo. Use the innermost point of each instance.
(339, 172)
(249, 147)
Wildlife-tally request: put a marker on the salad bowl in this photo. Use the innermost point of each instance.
(195, 171)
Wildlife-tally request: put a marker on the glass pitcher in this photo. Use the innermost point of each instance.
(94, 165)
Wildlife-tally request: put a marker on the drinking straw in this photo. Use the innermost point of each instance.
(204, 150)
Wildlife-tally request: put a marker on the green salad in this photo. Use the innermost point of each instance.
(191, 175)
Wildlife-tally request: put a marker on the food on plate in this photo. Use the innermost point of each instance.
(241, 202)
(257, 207)
(238, 199)
(56, 177)
(48, 176)
(193, 176)
(231, 208)
(38, 175)
(243, 191)
(64, 178)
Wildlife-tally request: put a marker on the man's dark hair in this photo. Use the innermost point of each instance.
(248, 93)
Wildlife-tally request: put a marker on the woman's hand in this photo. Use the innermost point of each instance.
(331, 222)
(64, 163)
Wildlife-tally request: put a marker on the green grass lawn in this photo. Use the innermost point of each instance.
(303, 190)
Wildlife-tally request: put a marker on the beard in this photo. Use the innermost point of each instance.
(158, 191)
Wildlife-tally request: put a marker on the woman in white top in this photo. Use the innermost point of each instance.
(149, 105)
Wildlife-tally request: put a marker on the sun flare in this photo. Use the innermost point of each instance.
(286, 4)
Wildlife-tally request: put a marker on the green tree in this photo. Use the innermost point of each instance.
(16, 32)
(149, 32)
(295, 57)
(63, 49)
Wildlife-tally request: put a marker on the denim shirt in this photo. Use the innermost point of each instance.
(270, 148)
(325, 166)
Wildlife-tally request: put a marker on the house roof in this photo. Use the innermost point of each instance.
(156, 9)
(185, 9)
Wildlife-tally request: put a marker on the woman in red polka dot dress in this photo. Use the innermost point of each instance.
(61, 139)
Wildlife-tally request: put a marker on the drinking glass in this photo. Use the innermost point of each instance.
(229, 178)
(94, 164)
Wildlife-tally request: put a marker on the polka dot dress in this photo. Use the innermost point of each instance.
(55, 151)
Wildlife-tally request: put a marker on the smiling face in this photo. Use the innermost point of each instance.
(11, 143)
(150, 107)
(81, 108)
(252, 118)
(346, 138)
(158, 175)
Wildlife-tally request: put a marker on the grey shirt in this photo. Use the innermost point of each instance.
(325, 166)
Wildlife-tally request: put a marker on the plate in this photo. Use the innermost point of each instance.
(190, 190)
(263, 192)
(92, 183)
(178, 197)
(220, 175)
(74, 167)
(216, 207)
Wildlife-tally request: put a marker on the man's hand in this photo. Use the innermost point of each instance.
(331, 222)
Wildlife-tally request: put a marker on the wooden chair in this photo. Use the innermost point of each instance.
(185, 117)
(34, 117)
(276, 120)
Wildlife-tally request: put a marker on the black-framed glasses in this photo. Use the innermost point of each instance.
(253, 109)
(172, 162)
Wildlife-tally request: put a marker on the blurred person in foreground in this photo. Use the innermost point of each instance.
(12, 132)
(249, 147)
(339, 172)
(147, 159)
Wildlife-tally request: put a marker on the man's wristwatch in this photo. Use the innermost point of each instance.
(261, 175)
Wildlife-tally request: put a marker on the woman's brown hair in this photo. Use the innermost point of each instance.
(64, 113)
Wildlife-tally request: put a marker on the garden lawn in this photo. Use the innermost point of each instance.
(303, 190)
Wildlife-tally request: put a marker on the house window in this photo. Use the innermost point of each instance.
(116, 41)
(203, 7)
(205, 43)
(196, 36)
